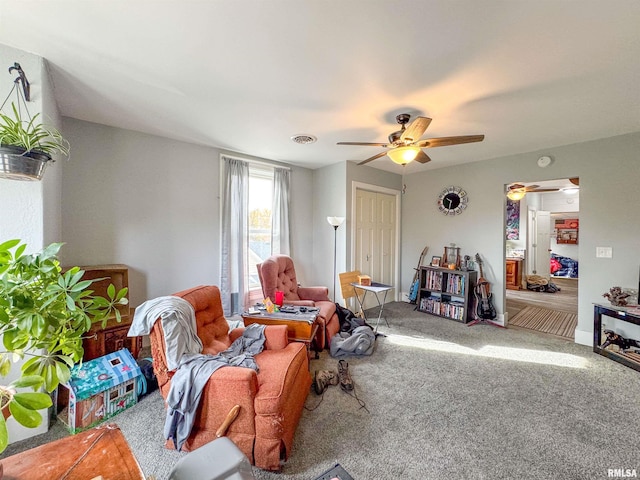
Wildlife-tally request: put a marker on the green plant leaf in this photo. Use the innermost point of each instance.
(4, 434)
(9, 244)
(111, 290)
(5, 366)
(80, 286)
(25, 416)
(33, 400)
(34, 381)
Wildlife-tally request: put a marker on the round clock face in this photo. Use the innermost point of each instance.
(452, 200)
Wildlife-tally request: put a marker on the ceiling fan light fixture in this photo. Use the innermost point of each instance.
(403, 155)
(516, 194)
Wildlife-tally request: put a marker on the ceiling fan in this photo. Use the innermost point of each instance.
(405, 144)
(517, 191)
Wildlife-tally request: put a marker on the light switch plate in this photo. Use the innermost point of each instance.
(604, 252)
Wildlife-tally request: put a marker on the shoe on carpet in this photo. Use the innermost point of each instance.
(345, 378)
(322, 379)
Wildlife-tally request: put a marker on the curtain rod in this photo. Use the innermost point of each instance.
(256, 162)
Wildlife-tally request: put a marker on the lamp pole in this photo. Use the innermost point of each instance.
(335, 222)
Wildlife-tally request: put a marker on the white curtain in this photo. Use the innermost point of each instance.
(235, 204)
(280, 238)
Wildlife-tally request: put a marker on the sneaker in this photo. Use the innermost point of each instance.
(345, 378)
(322, 379)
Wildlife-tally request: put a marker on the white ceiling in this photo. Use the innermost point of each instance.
(246, 75)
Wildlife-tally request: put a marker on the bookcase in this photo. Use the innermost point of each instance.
(447, 293)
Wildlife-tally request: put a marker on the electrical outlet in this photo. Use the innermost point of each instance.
(604, 252)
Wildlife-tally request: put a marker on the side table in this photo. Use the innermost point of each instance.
(301, 327)
(376, 289)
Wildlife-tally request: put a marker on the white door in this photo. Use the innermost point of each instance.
(540, 239)
(375, 239)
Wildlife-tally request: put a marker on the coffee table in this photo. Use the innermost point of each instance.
(301, 326)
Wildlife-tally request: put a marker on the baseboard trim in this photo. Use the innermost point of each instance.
(584, 338)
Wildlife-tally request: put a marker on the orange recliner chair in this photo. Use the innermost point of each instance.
(278, 273)
(271, 400)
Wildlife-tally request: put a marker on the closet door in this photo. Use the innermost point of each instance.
(375, 239)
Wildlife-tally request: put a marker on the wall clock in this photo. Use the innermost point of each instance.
(452, 200)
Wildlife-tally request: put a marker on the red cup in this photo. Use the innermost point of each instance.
(279, 298)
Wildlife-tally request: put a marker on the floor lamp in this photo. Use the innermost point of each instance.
(335, 222)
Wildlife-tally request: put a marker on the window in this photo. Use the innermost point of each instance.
(260, 233)
(254, 225)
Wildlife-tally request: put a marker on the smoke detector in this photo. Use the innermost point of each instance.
(303, 139)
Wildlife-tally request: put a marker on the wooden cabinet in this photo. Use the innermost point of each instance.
(99, 341)
(446, 293)
(514, 274)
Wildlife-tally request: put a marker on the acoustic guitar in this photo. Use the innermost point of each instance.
(415, 284)
(484, 306)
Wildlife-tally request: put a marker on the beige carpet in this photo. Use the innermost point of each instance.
(547, 321)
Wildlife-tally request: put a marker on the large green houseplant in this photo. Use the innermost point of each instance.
(27, 145)
(44, 313)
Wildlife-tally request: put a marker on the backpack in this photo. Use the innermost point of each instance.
(348, 320)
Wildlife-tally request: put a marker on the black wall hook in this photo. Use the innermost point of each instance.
(22, 78)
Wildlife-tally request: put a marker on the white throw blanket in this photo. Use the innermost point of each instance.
(178, 322)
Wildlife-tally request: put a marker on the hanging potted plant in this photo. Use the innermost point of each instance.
(44, 314)
(27, 145)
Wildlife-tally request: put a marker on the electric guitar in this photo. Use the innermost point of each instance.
(484, 308)
(415, 285)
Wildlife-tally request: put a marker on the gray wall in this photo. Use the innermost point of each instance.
(330, 200)
(31, 211)
(154, 204)
(609, 199)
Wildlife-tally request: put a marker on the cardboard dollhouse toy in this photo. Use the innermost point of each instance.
(99, 389)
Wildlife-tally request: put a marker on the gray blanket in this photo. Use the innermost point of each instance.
(359, 343)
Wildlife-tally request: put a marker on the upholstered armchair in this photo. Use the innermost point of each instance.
(278, 273)
(271, 400)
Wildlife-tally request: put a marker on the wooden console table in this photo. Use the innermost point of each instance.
(619, 313)
(100, 452)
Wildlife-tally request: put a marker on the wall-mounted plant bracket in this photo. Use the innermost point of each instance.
(22, 79)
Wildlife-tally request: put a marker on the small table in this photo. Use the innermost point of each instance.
(376, 289)
(301, 326)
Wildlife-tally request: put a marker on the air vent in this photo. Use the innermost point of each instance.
(304, 139)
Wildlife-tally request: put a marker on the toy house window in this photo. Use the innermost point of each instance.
(113, 394)
(115, 362)
(128, 387)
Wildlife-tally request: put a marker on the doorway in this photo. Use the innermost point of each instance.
(546, 303)
(375, 234)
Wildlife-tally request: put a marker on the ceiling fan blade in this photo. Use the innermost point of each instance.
(538, 190)
(381, 154)
(530, 188)
(415, 129)
(446, 141)
(364, 143)
(575, 181)
(422, 157)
